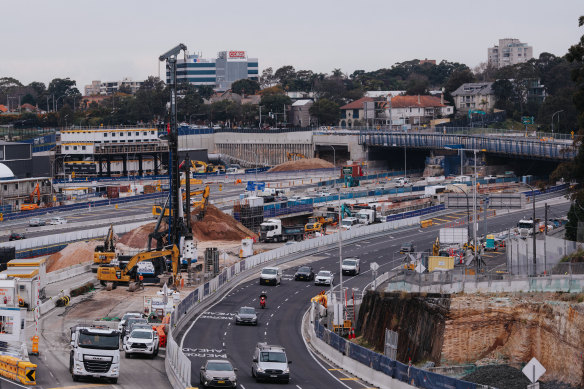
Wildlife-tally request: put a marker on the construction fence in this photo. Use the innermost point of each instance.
(392, 368)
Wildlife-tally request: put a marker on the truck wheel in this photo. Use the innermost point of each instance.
(128, 355)
(114, 380)
(253, 373)
(75, 378)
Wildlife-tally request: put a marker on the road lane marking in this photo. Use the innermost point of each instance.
(76, 386)
(298, 386)
(349, 379)
(335, 369)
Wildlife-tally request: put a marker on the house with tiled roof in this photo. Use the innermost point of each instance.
(357, 113)
(3, 108)
(26, 107)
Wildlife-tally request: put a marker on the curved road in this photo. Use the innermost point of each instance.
(213, 334)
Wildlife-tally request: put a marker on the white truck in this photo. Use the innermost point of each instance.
(95, 352)
(366, 216)
(525, 227)
(272, 230)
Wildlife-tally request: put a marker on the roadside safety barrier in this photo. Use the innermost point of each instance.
(18, 370)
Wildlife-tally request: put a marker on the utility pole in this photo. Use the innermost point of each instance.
(546, 206)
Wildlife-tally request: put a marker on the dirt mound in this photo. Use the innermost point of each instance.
(73, 254)
(215, 226)
(218, 226)
(138, 237)
(302, 164)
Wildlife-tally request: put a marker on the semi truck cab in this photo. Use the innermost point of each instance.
(95, 352)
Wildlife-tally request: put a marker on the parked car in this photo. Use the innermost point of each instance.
(323, 194)
(129, 323)
(402, 181)
(57, 220)
(271, 275)
(304, 273)
(142, 341)
(218, 373)
(324, 277)
(125, 318)
(269, 362)
(279, 199)
(36, 222)
(350, 266)
(407, 247)
(246, 315)
(16, 236)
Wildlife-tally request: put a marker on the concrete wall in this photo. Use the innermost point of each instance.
(549, 251)
(356, 151)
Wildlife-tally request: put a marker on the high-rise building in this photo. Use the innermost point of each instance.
(509, 51)
(220, 72)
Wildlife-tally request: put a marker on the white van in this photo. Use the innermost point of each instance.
(56, 220)
(349, 222)
(461, 179)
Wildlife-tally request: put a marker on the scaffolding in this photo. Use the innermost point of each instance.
(250, 217)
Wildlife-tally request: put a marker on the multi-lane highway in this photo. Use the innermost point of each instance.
(214, 334)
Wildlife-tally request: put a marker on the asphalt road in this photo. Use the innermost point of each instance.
(214, 334)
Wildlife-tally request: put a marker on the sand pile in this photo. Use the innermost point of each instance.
(302, 164)
(215, 226)
(218, 226)
(73, 254)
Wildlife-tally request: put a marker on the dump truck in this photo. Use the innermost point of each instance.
(273, 231)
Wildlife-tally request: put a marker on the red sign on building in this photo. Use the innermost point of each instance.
(237, 54)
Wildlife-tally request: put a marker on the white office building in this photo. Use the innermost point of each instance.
(509, 51)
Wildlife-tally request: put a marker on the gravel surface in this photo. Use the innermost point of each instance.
(507, 377)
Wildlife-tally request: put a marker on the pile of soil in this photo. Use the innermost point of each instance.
(302, 164)
(215, 226)
(73, 254)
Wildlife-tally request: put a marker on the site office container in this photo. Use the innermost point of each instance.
(356, 170)
(113, 192)
(436, 263)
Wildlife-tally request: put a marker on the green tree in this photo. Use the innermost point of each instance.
(326, 111)
(245, 86)
(28, 99)
(274, 102)
(205, 91)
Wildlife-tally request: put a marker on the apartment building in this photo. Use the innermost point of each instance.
(509, 51)
(475, 96)
(110, 87)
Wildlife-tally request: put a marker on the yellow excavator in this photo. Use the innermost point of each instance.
(204, 167)
(156, 209)
(111, 275)
(104, 254)
(291, 156)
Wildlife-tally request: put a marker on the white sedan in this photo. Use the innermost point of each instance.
(324, 277)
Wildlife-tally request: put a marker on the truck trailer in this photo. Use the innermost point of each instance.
(273, 231)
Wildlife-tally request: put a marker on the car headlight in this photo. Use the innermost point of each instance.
(260, 370)
(287, 370)
(237, 317)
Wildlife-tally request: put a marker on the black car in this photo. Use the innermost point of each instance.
(246, 315)
(16, 236)
(304, 273)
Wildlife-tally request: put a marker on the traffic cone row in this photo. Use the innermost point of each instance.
(351, 334)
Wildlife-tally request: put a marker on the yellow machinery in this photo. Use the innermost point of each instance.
(436, 248)
(157, 209)
(313, 227)
(194, 181)
(104, 254)
(112, 275)
(204, 167)
(320, 298)
(291, 156)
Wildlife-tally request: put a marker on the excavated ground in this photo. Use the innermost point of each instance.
(489, 329)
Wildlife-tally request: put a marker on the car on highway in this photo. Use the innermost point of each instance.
(323, 194)
(407, 247)
(218, 373)
(129, 323)
(350, 266)
(36, 222)
(125, 318)
(246, 315)
(56, 221)
(142, 341)
(16, 236)
(324, 277)
(269, 362)
(402, 181)
(304, 273)
(279, 199)
(271, 275)
(490, 179)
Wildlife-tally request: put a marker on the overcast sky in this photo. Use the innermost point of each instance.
(110, 39)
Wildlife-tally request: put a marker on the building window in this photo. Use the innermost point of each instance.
(151, 132)
(144, 133)
(355, 114)
(74, 147)
(66, 147)
(113, 134)
(16, 186)
(5, 187)
(105, 134)
(82, 147)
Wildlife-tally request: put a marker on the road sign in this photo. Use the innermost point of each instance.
(420, 268)
(374, 266)
(533, 370)
(527, 119)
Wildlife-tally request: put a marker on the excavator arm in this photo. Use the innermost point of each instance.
(147, 255)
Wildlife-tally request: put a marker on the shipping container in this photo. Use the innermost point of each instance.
(440, 263)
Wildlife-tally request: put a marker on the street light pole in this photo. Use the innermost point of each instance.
(554, 114)
(334, 156)
(340, 254)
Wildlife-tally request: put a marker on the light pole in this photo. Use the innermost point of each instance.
(334, 156)
(57, 103)
(340, 255)
(534, 230)
(554, 114)
(467, 212)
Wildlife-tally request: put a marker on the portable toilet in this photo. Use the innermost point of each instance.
(490, 243)
(246, 248)
(28, 284)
